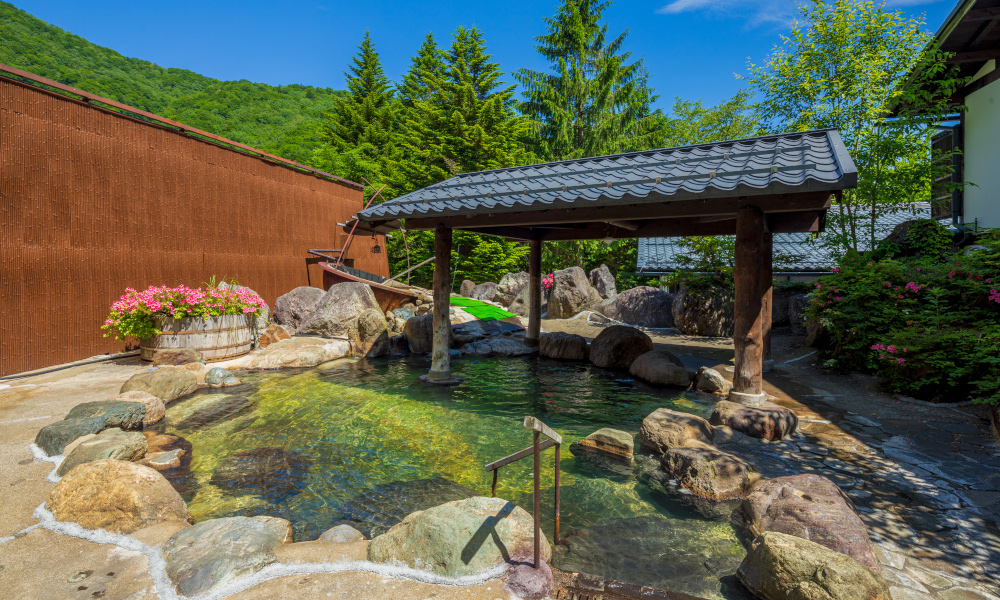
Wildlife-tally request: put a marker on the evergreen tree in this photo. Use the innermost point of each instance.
(594, 101)
(360, 130)
(467, 122)
(426, 71)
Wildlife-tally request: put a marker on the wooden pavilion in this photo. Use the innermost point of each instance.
(751, 188)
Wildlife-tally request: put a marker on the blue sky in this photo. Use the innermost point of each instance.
(692, 48)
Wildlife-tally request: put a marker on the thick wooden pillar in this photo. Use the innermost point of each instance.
(441, 347)
(748, 336)
(534, 293)
(767, 306)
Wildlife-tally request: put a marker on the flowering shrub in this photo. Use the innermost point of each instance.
(135, 313)
(928, 326)
(547, 280)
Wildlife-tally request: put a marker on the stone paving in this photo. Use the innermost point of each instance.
(926, 483)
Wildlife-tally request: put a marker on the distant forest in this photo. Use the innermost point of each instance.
(284, 120)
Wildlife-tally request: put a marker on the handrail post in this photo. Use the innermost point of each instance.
(538, 500)
(555, 536)
(495, 472)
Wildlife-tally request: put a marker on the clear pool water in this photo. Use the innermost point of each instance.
(365, 442)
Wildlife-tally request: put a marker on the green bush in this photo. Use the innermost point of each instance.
(928, 325)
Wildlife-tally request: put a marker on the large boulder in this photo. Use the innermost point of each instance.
(212, 553)
(797, 305)
(53, 438)
(617, 346)
(176, 357)
(466, 288)
(117, 496)
(349, 310)
(660, 367)
(499, 346)
(704, 311)
(126, 415)
(603, 281)
(813, 508)
(463, 537)
(293, 308)
(784, 567)
(166, 383)
(110, 443)
(520, 304)
(509, 287)
(643, 306)
(300, 352)
(708, 472)
(419, 332)
(154, 406)
(563, 346)
(664, 429)
(484, 291)
(768, 421)
(709, 380)
(570, 293)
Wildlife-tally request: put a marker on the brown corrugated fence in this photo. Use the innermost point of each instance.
(92, 202)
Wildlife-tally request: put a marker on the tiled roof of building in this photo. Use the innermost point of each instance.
(659, 255)
(788, 163)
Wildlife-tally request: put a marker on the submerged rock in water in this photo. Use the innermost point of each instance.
(612, 441)
(208, 410)
(687, 556)
(212, 553)
(459, 538)
(386, 505)
(217, 376)
(273, 473)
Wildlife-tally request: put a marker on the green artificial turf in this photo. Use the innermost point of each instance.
(479, 309)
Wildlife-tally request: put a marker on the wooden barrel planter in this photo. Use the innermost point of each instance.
(217, 338)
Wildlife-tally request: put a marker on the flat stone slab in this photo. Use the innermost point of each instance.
(300, 352)
(212, 553)
(110, 443)
(611, 441)
(125, 415)
(54, 438)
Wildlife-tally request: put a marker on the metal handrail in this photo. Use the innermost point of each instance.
(535, 450)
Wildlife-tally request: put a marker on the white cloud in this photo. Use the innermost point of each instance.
(757, 12)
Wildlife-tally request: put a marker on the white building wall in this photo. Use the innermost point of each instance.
(982, 156)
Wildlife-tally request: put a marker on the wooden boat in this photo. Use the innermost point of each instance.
(388, 297)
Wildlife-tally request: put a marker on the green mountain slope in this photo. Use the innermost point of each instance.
(283, 120)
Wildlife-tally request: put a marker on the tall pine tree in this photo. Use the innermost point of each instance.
(426, 70)
(594, 101)
(360, 130)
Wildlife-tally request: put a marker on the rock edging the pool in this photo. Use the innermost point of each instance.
(476, 537)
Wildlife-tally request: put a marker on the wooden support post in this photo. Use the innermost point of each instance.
(747, 339)
(767, 306)
(538, 500)
(495, 472)
(441, 347)
(534, 293)
(555, 535)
